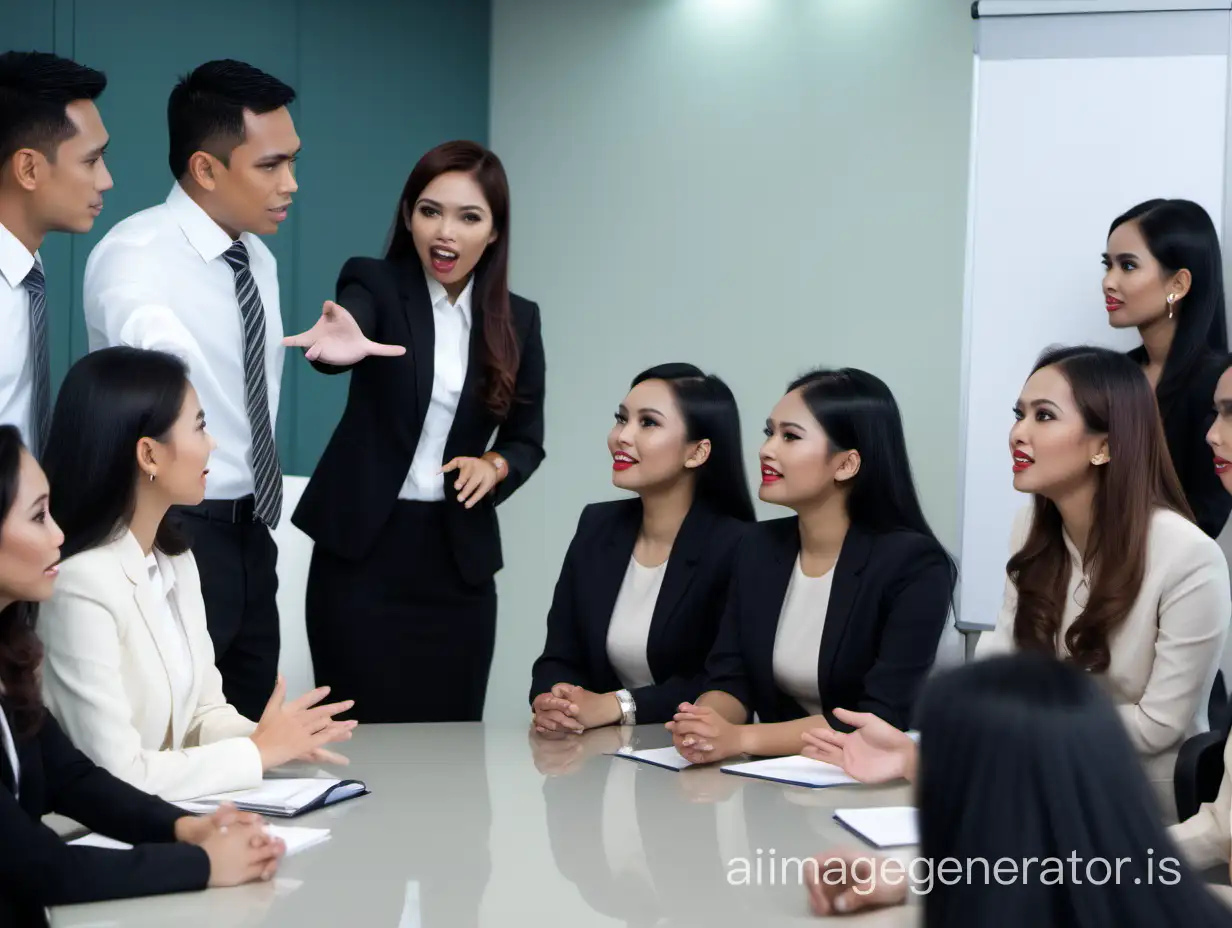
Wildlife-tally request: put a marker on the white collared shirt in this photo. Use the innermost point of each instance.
(16, 370)
(159, 280)
(450, 356)
(179, 661)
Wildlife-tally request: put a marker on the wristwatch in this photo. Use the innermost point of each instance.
(628, 708)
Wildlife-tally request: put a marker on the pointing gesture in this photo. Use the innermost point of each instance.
(337, 339)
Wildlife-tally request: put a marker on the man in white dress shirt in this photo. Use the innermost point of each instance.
(52, 179)
(191, 277)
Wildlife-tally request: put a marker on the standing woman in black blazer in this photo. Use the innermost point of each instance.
(41, 772)
(401, 600)
(1164, 276)
(645, 579)
(843, 602)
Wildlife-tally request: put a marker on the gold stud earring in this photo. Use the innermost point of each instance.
(1171, 300)
(151, 478)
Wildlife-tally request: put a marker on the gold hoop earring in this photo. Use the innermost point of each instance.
(1171, 300)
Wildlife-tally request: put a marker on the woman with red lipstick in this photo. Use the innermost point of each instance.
(401, 602)
(842, 604)
(1109, 571)
(1164, 276)
(130, 670)
(644, 580)
(41, 772)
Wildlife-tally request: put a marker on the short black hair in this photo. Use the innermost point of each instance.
(206, 109)
(35, 91)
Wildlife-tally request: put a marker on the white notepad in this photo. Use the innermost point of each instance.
(796, 770)
(284, 797)
(296, 839)
(658, 757)
(888, 826)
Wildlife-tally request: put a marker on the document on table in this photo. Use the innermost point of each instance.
(668, 758)
(887, 826)
(796, 770)
(296, 839)
(285, 797)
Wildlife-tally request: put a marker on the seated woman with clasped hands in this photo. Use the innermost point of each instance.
(41, 772)
(130, 665)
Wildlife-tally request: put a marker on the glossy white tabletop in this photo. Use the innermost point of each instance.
(472, 825)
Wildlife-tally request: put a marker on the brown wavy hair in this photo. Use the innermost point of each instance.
(500, 355)
(21, 652)
(1115, 399)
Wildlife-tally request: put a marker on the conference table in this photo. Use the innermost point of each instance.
(486, 825)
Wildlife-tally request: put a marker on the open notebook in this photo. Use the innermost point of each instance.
(297, 839)
(283, 797)
(796, 770)
(882, 826)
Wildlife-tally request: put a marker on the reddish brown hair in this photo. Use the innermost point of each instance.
(21, 652)
(500, 356)
(1115, 399)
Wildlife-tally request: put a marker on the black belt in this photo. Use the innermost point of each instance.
(234, 511)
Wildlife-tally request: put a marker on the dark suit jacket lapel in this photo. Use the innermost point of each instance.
(417, 303)
(768, 594)
(681, 568)
(851, 560)
(610, 566)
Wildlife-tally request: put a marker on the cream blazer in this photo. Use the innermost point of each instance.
(1166, 654)
(1205, 838)
(106, 681)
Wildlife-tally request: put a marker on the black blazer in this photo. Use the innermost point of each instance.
(686, 614)
(356, 483)
(1187, 417)
(38, 869)
(888, 606)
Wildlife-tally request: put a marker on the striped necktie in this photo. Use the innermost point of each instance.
(266, 473)
(40, 360)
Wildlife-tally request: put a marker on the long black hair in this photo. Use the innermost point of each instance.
(1022, 757)
(709, 411)
(21, 652)
(859, 413)
(1181, 235)
(109, 401)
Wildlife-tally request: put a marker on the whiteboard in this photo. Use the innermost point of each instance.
(1060, 147)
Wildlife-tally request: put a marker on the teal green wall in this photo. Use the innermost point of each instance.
(379, 83)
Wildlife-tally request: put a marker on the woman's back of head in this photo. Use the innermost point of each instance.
(1023, 760)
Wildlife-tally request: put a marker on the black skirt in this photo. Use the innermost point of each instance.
(400, 632)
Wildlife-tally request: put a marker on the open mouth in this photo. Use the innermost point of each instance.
(1022, 462)
(769, 474)
(444, 260)
(622, 461)
(1222, 466)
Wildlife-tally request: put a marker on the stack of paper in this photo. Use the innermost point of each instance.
(284, 797)
(796, 770)
(296, 839)
(887, 826)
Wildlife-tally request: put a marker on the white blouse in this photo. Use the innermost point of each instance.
(797, 643)
(629, 628)
(179, 660)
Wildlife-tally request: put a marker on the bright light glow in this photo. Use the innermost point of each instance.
(724, 9)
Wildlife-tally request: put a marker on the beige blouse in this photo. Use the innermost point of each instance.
(1166, 654)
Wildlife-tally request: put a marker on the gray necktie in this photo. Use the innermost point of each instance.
(40, 360)
(266, 473)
